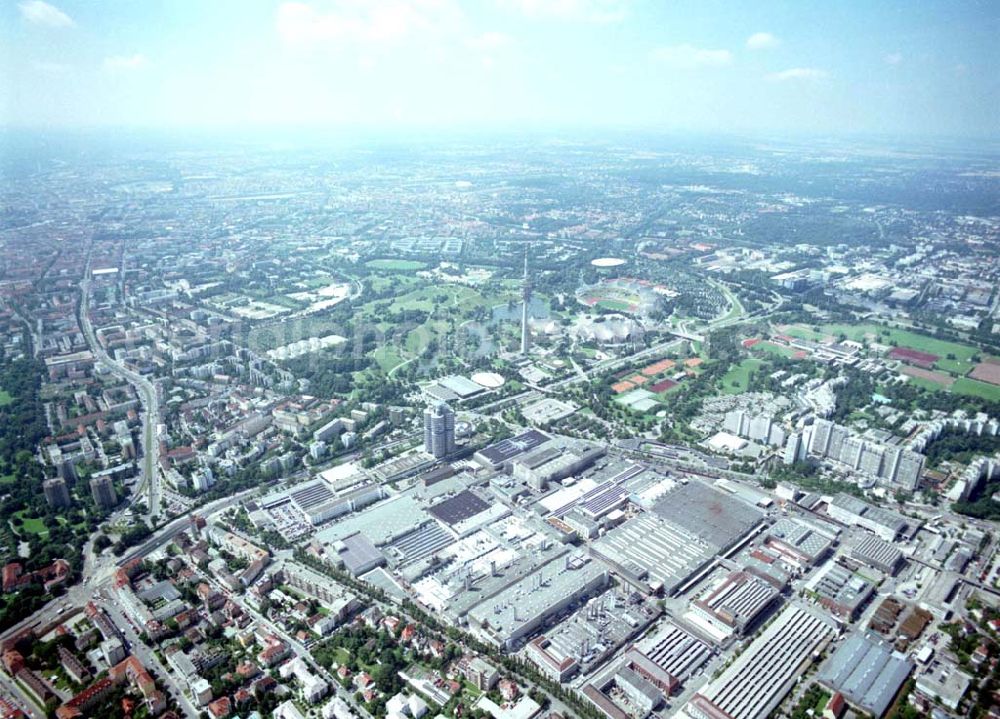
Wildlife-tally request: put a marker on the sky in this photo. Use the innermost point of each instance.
(910, 68)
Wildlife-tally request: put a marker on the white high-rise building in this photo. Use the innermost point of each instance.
(911, 465)
(439, 430)
(821, 437)
(793, 448)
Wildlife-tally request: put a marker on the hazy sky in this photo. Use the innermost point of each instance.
(871, 66)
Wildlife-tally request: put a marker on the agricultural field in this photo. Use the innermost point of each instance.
(5, 398)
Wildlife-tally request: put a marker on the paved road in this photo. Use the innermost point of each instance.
(147, 394)
(145, 655)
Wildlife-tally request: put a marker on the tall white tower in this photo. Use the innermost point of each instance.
(525, 332)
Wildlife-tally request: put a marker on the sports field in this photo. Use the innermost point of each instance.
(869, 333)
(774, 349)
(616, 305)
(929, 378)
(619, 295)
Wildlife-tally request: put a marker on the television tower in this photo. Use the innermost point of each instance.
(525, 332)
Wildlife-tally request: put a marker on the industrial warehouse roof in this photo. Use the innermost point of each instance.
(311, 494)
(462, 506)
(381, 523)
(534, 596)
(647, 546)
(357, 553)
(507, 449)
(805, 538)
(867, 672)
(707, 513)
(884, 517)
(753, 685)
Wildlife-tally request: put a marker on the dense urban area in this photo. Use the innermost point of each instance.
(631, 428)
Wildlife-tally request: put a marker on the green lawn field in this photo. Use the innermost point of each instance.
(975, 388)
(396, 265)
(737, 379)
(32, 525)
(773, 349)
(615, 305)
(388, 357)
(868, 332)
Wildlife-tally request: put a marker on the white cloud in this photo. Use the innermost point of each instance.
(596, 11)
(894, 58)
(762, 41)
(798, 73)
(371, 22)
(124, 62)
(689, 57)
(41, 13)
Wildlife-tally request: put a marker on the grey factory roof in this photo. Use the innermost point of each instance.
(458, 508)
(521, 566)
(382, 523)
(841, 587)
(709, 514)
(739, 598)
(870, 512)
(648, 545)
(867, 672)
(877, 552)
(433, 476)
(677, 652)
(506, 449)
(383, 580)
(533, 597)
(752, 686)
(420, 543)
(311, 494)
(800, 536)
(597, 627)
(358, 553)
(542, 456)
(640, 685)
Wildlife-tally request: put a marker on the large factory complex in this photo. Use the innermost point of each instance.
(570, 554)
